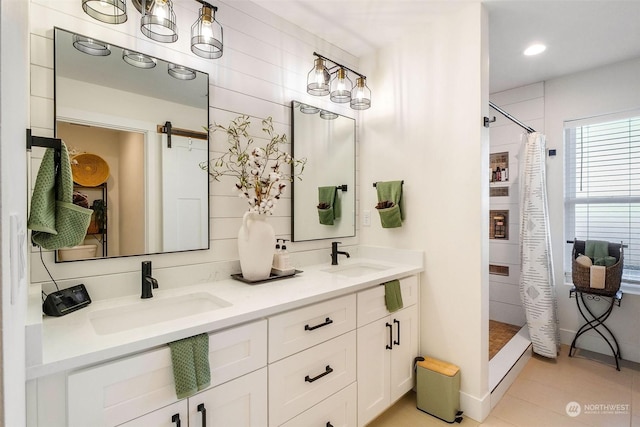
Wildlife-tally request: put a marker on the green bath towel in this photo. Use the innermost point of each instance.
(190, 359)
(607, 261)
(393, 295)
(390, 191)
(56, 223)
(596, 249)
(328, 205)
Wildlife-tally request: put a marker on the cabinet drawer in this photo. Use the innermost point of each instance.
(338, 410)
(115, 392)
(371, 304)
(299, 329)
(169, 416)
(306, 378)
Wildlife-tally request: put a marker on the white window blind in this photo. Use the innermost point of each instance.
(602, 186)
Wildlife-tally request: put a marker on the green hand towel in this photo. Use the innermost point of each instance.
(190, 359)
(607, 261)
(596, 249)
(326, 205)
(201, 361)
(391, 191)
(56, 223)
(393, 295)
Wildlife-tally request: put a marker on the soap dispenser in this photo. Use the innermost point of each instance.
(276, 255)
(281, 261)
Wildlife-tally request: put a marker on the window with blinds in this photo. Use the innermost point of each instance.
(602, 185)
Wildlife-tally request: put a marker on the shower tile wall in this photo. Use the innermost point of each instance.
(527, 105)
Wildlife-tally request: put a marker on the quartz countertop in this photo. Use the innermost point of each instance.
(71, 342)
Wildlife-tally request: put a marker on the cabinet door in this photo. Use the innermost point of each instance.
(338, 410)
(170, 416)
(373, 369)
(238, 403)
(405, 349)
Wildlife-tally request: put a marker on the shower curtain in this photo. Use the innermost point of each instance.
(536, 278)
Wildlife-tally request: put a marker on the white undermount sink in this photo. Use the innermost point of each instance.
(355, 270)
(152, 311)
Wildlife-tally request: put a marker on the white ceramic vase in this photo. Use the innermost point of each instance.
(256, 246)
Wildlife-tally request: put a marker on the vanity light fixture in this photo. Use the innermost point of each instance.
(90, 46)
(180, 72)
(206, 33)
(318, 78)
(328, 115)
(308, 109)
(361, 96)
(109, 11)
(138, 59)
(159, 23)
(341, 89)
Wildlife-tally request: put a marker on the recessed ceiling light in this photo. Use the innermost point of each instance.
(535, 49)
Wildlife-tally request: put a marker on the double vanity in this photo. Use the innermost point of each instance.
(319, 348)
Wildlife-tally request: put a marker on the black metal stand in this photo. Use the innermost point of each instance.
(596, 322)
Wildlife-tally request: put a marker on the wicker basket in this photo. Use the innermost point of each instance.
(581, 274)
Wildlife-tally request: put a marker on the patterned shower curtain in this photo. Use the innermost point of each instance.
(537, 289)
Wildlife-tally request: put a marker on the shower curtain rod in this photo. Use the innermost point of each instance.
(508, 116)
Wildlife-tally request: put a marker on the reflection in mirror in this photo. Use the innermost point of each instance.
(116, 105)
(324, 201)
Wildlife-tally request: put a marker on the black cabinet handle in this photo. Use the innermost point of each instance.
(398, 322)
(327, 321)
(202, 409)
(390, 345)
(329, 424)
(327, 371)
(176, 419)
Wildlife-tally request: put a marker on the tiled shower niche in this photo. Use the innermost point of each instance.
(499, 224)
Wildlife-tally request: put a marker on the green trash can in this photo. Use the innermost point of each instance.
(438, 389)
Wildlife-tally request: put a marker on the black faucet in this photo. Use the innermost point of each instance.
(335, 252)
(148, 282)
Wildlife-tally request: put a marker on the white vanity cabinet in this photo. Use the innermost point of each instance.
(125, 390)
(387, 344)
(312, 360)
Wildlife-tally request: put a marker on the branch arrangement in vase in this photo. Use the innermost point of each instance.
(261, 179)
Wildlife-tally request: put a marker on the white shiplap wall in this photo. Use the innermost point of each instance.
(264, 67)
(527, 105)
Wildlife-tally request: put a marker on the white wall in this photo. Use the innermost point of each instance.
(264, 67)
(14, 87)
(527, 105)
(424, 127)
(590, 93)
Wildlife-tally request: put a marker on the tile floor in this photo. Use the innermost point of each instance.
(500, 334)
(540, 395)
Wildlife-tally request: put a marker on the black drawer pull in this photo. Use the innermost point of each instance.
(329, 424)
(327, 321)
(390, 345)
(398, 322)
(202, 409)
(176, 419)
(327, 371)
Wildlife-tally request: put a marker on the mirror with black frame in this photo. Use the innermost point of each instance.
(112, 109)
(324, 202)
